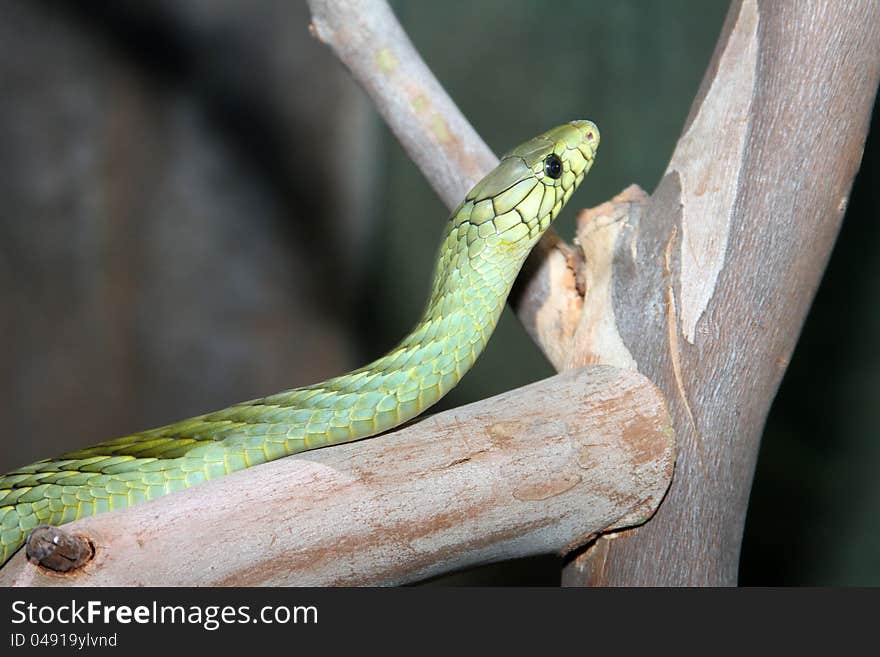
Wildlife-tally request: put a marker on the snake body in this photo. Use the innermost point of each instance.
(484, 246)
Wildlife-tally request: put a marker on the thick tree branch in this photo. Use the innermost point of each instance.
(712, 276)
(536, 470)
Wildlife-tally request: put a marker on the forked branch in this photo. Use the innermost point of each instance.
(704, 285)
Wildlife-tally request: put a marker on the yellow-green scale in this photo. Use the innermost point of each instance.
(485, 243)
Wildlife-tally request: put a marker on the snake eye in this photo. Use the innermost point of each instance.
(553, 166)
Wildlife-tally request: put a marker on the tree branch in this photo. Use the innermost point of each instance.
(536, 470)
(366, 37)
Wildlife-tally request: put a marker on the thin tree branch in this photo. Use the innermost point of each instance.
(536, 470)
(366, 37)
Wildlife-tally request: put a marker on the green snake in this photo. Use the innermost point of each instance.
(484, 246)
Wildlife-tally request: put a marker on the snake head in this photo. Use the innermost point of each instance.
(532, 183)
(560, 157)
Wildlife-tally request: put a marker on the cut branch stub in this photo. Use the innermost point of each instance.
(536, 470)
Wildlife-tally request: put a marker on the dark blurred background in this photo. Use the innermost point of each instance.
(200, 207)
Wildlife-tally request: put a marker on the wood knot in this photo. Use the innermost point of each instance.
(57, 550)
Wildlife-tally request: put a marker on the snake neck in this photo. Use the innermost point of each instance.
(472, 279)
(470, 286)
